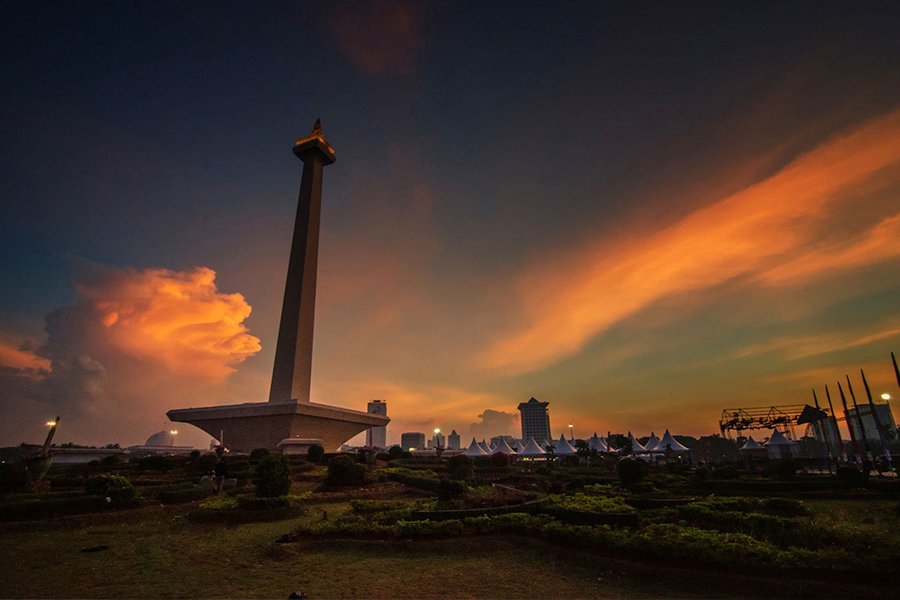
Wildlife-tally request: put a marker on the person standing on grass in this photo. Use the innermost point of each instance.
(221, 469)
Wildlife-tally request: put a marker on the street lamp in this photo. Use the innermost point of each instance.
(885, 396)
(174, 432)
(571, 435)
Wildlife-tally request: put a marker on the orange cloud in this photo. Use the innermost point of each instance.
(177, 318)
(17, 357)
(567, 301)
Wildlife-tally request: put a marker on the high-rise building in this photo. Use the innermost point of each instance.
(535, 420)
(438, 440)
(376, 437)
(453, 441)
(412, 440)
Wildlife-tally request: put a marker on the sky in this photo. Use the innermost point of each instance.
(640, 212)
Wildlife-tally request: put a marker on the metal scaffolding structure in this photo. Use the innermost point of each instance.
(783, 418)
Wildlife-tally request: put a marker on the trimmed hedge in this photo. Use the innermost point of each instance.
(57, 507)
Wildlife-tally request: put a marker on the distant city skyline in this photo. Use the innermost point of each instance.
(641, 214)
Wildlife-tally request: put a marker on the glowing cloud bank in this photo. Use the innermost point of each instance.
(763, 233)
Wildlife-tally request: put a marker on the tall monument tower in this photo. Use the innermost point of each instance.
(289, 420)
(293, 353)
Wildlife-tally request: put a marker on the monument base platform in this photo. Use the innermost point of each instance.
(265, 424)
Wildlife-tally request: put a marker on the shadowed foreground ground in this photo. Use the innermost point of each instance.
(154, 553)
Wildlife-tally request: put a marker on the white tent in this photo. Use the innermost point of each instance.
(474, 449)
(598, 444)
(636, 447)
(669, 443)
(652, 443)
(492, 445)
(484, 446)
(517, 445)
(751, 445)
(503, 448)
(564, 448)
(779, 446)
(532, 450)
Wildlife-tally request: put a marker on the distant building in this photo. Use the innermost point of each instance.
(453, 441)
(535, 420)
(885, 418)
(438, 440)
(376, 437)
(412, 440)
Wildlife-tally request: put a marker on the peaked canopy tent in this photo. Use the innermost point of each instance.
(668, 443)
(474, 449)
(484, 447)
(503, 448)
(636, 447)
(652, 443)
(532, 450)
(750, 445)
(598, 443)
(779, 446)
(564, 448)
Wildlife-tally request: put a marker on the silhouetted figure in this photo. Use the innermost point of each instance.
(220, 470)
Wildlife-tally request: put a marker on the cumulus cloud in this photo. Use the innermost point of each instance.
(134, 343)
(494, 422)
(764, 233)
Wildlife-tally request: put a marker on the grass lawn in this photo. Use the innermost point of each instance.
(155, 553)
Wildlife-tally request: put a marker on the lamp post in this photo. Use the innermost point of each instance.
(437, 437)
(174, 432)
(571, 435)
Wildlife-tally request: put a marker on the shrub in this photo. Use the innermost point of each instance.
(13, 477)
(395, 452)
(423, 480)
(315, 453)
(449, 489)
(344, 471)
(460, 467)
(785, 469)
(194, 455)
(206, 463)
(159, 462)
(499, 460)
(115, 487)
(273, 476)
(851, 476)
(631, 471)
(259, 453)
(725, 472)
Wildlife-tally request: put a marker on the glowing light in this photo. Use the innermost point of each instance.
(885, 396)
(437, 429)
(51, 423)
(174, 432)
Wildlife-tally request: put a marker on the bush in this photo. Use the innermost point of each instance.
(785, 469)
(395, 452)
(460, 467)
(159, 462)
(725, 472)
(315, 453)
(499, 460)
(273, 476)
(344, 471)
(194, 455)
(115, 487)
(13, 477)
(851, 476)
(631, 471)
(259, 453)
(450, 489)
(206, 463)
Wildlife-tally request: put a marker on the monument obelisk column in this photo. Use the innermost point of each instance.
(293, 353)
